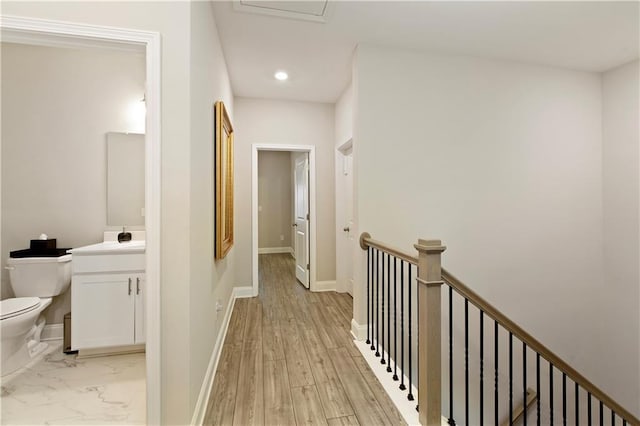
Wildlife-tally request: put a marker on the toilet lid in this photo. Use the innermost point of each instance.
(17, 305)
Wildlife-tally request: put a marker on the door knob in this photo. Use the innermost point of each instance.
(346, 229)
(294, 225)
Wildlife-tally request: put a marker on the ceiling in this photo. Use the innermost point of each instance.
(581, 35)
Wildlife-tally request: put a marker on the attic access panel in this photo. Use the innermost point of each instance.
(308, 10)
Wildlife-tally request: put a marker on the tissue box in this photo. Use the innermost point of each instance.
(43, 245)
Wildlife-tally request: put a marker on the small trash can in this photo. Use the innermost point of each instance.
(66, 343)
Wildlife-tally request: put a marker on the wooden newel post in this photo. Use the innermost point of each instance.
(429, 328)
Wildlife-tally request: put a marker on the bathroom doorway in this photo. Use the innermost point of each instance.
(35, 33)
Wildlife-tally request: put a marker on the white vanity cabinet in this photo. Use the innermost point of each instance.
(108, 296)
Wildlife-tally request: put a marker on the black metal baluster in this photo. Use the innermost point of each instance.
(524, 382)
(495, 392)
(601, 414)
(510, 378)
(368, 298)
(589, 408)
(613, 418)
(564, 399)
(451, 421)
(538, 388)
(389, 313)
(378, 304)
(577, 399)
(466, 361)
(410, 396)
(402, 370)
(481, 368)
(395, 318)
(374, 261)
(551, 393)
(382, 361)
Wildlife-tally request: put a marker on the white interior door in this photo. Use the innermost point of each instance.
(301, 225)
(348, 219)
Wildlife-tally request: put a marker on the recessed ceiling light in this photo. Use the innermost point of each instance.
(281, 75)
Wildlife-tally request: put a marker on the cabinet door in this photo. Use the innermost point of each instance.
(102, 307)
(141, 297)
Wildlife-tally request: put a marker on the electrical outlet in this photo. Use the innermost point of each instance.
(259, 208)
(218, 306)
(281, 237)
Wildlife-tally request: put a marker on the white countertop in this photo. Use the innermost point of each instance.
(111, 247)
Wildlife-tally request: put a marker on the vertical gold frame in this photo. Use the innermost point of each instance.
(223, 181)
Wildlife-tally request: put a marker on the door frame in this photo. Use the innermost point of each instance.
(64, 34)
(311, 150)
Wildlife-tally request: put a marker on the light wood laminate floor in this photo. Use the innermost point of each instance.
(289, 359)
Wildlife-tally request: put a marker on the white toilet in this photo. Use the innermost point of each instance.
(35, 281)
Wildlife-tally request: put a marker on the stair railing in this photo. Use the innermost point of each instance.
(390, 294)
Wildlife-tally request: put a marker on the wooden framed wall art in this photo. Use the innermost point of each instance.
(223, 181)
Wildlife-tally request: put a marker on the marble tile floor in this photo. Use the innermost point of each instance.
(59, 389)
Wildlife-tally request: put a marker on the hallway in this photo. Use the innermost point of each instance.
(288, 359)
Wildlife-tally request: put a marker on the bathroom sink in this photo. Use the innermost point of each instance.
(111, 247)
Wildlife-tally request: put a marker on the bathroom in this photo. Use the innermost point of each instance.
(60, 107)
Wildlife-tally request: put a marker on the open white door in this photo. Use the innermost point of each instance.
(348, 218)
(301, 225)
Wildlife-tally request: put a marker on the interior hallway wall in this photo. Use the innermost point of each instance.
(54, 124)
(212, 281)
(261, 121)
(621, 201)
(275, 200)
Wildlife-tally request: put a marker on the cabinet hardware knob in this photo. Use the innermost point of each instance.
(138, 285)
(129, 286)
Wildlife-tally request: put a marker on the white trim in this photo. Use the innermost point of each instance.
(311, 149)
(207, 384)
(52, 332)
(359, 332)
(150, 41)
(243, 292)
(324, 286)
(275, 250)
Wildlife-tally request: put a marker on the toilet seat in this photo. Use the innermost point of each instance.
(18, 305)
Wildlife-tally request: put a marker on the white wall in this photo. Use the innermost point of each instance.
(343, 133)
(211, 281)
(173, 21)
(502, 161)
(621, 200)
(275, 191)
(287, 123)
(55, 120)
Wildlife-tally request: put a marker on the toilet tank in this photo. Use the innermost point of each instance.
(39, 276)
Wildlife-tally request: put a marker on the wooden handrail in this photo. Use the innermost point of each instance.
(537, 346)
(367, 241)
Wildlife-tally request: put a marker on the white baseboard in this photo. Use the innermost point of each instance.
(275, 250)
(359, 332)
(324, 286)
(243, 292)
(399, 398)
(52, 332)
(207, 384)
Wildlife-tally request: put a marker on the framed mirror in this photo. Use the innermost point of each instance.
(223, 164)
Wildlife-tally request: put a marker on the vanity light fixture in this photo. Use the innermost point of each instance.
(281, 75)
